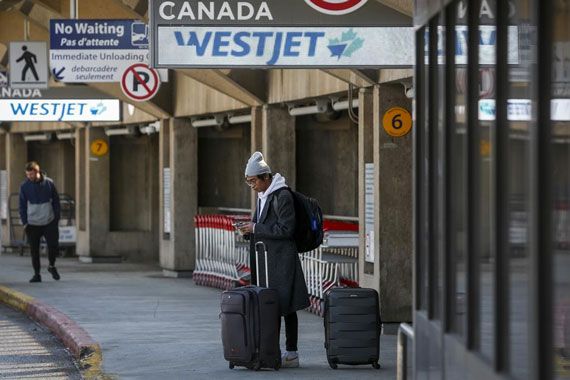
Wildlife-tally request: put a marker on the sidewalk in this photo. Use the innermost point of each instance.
(152, 327)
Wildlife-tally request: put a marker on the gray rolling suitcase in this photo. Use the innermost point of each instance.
(352, 327)
(250, 324)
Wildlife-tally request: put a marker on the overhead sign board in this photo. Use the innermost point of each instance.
(277, 33)
(28, 64)
(59, 110)
(284, 47)
(96, 50)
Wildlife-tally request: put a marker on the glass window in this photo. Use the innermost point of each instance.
(485, 230)
(458, 171)
(521, 119)
(423, 163)
(560, 150)
(436, 132)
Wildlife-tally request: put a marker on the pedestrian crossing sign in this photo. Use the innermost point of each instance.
(28, 64)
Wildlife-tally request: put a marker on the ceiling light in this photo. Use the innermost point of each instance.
(66, 136)
(215, 121)
(117, 132)
(240, 119)
(321, 106)
(343, 105)
(38, 137)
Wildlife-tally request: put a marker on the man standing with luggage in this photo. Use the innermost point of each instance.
(40, 212)
(274, 224)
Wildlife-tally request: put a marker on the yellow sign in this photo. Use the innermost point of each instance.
(99, 147)
(397, 122)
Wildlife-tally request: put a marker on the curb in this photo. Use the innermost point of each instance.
(82, 346)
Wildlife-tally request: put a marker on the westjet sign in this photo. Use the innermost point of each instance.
(59, 110)
(284, 46)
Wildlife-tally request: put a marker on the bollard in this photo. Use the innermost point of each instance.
(405, 333)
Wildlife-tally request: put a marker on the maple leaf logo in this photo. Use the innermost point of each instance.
(346, 45)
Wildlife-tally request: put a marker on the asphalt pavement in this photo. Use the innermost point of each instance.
(153, 327)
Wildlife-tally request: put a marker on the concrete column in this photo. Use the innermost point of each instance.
(178, 253)
(92, 242)
(15, 161)
(80, 180)
(278, 142)
(369, 273)
(257, 116)
(393, 211)
(3, 222)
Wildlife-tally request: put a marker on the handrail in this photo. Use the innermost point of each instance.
(405, 333)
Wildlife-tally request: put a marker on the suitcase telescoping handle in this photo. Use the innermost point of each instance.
(262, 245)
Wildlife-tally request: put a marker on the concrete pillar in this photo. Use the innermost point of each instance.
(369, 273)
(178, 248)
(92, 244)
(3, 222)
(393, 211)
(278, 142)
(15, 161)
(256, 141)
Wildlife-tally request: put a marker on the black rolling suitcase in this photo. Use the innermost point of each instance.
(250, 324)
(352, 327)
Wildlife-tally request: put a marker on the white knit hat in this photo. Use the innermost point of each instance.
(256, 165)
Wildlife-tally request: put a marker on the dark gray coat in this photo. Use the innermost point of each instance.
(275, 228)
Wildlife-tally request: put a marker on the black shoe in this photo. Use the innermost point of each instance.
(36, 278)
(54, 273)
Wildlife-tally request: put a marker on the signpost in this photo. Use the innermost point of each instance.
(277, 33)
(140, 83)
(96, 50)
(28, 64)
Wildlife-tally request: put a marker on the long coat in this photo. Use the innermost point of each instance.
(275, 228)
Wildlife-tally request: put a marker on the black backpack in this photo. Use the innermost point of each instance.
(308, 221)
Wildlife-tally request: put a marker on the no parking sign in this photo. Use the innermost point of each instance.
(140, 82)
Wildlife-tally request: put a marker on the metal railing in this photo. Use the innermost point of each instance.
(222, 258)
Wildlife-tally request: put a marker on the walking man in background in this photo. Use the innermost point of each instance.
(274, 225)
(40, 212)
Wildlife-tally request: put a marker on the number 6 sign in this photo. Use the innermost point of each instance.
(397, 122)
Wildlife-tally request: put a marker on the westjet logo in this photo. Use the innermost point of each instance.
(239, 44)
(59, 110)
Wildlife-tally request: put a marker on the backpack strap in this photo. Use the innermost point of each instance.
(275, 198)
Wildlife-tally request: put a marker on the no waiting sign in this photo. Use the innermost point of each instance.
(140, 82)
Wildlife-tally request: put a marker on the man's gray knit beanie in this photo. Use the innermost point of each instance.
(256, 165)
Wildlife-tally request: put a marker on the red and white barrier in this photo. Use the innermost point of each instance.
(222, 257)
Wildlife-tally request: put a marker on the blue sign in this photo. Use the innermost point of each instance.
(98, 34)
(96, 50)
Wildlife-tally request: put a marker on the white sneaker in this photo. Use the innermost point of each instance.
(290, 360)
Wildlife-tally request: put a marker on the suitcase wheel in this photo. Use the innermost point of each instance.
(333, 364)
(376, 365)
(257, 366)
(232, 365)
(277, 366)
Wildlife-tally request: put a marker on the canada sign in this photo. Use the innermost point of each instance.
(336, 7)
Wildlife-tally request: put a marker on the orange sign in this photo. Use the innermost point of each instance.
(397, 122)
(99, 147)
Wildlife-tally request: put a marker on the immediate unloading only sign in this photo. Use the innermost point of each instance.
(96, 50)
(277, 33)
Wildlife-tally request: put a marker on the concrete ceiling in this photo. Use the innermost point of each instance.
(403, 6)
